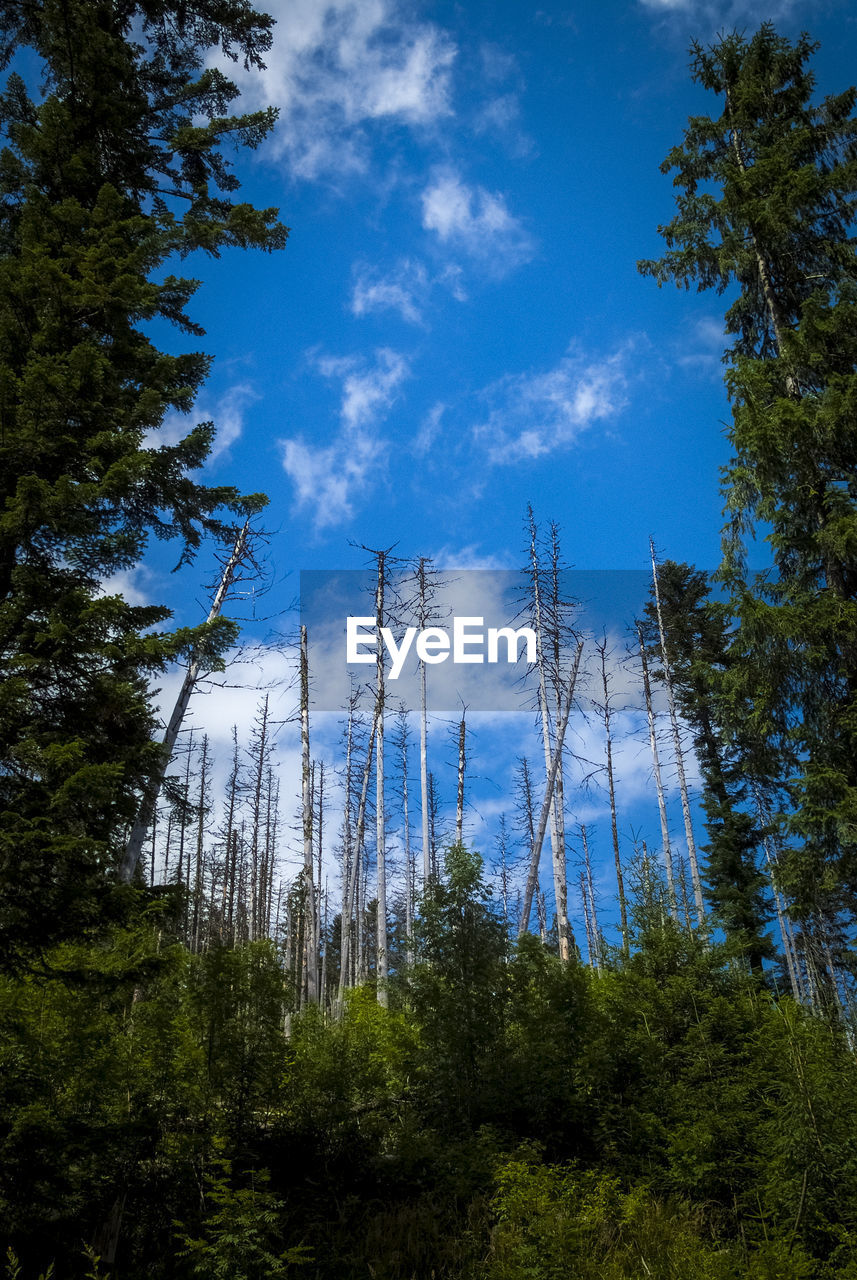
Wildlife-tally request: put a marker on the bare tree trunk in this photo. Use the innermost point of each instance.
(260, 746)
(233, 868)
(659, 786)
(557, 842)
(590, 943)
(380, 816)
(433, 812)
(782, 917)
(323, 933)
(131, 856)
(154, 846)
(614, 828)
(542, 917)
(503, 850)
(306, 807)
(350, 904)
(462, 760)
(228, 873)
(679, 757)
(319, 928)
(273, 830)
(167, 847)
(593, 910)
(536, 852)
(423, 612)
(200, 838)
(685, 903)
(183, 830)
(555, 633)
(406, 822)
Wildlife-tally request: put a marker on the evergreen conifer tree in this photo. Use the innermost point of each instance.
(697, 641)
(106, 177)
(767, 192)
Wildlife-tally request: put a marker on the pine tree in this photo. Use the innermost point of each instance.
(695, 631)
(767, 193)
(116, 170)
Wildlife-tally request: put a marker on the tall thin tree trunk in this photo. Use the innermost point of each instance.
(659, 786)
(423, 610)
(611, 788)
(557, 842)
(256, 829)
(200, 838)
(433, 814)
(183, 832)
(462, 761)
(555, 636)
(307, 816)
(409, 857)
(535, 855)
(380, 815)
(232, 796)
(593, 910)
(319, 929)
(351, 903)
(587, 924)
(133, 848)
(679, 756)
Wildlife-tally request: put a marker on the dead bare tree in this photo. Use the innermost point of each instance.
(535, 854)
(679, 755)
(242, 555)
(656, 767)
(605, 711)
(535, 575)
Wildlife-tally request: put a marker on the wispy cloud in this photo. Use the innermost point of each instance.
(430, 429)
(330, 479)
(712, 14)
(474, 220)
(404, 289)
(228, 416)
(366, 389)
(534, 414)
(701, 347)
(336, 68)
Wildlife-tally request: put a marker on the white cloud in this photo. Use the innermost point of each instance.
(471, 557)
(366, 392)
(329, 479)
(538, 413)
(337, 67)
(474, 220)
(430, 429)
(702, 346)
(407, 288)
(228, 417)
(403, 290)
(716, 13)
(133, 585)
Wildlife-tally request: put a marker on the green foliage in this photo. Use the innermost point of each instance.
(103, 181)
(554, 1222)
(766, 201)
(455, 988)
(697, 639)
(240, 1230)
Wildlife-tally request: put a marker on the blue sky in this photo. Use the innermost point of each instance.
(457, 326)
